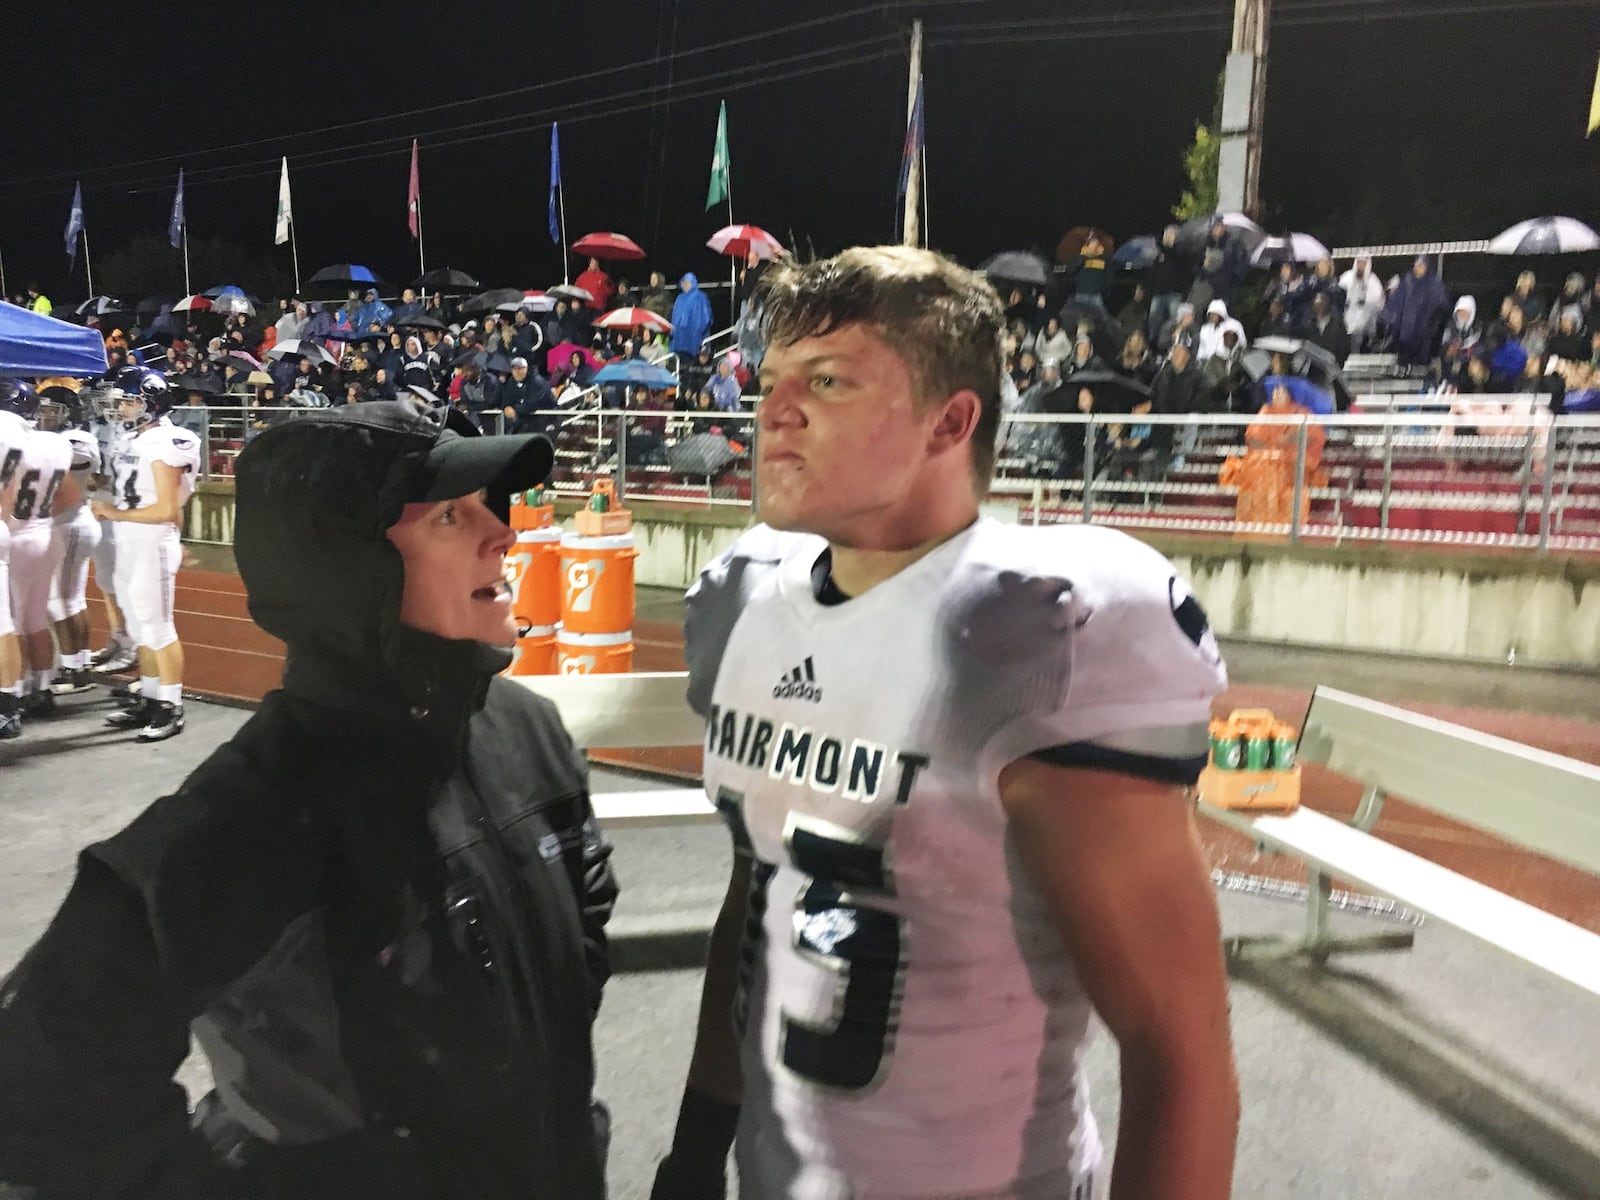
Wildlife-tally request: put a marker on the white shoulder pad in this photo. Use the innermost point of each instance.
(1090, 639)
(719, 595)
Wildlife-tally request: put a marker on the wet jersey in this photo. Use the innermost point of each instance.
(38, 465)
(134, 457)
(912, 1025)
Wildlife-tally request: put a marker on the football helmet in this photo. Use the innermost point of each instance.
(60, 409)
(145, 396)
(19, 398)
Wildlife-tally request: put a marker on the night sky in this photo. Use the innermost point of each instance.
(1429, 126)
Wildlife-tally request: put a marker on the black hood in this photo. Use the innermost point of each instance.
(315, 498)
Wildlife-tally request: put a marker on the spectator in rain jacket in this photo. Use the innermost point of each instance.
(523, 397)
(372, 310)
(598, 284)
(1567, 342)
(1211, 332)
(1223, 262)
(658, 296)
(691, 316)
(293, 321)
(1528, 299)
(1324, 328)
(1416, 313)
(1363, 301)
(1167, 279)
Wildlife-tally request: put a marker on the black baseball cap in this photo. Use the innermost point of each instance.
(463, 461)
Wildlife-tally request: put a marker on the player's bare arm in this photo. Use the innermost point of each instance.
(1119, 863)
(168, 506)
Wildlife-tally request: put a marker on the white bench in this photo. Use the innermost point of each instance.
(607, 712)
(1540, 801)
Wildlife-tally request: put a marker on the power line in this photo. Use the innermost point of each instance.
(187, 156)
(726, 79)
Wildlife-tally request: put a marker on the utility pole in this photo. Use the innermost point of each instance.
(1244, 100)
(913, 205)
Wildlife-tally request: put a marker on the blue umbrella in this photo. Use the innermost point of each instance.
(1304, 392)
(230, 290)
(345, 273)
(1136, 253)
(636, 371)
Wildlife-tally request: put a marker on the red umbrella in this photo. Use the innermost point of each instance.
(740, 241)
(607, 245)
(634, 318)
(193, 304)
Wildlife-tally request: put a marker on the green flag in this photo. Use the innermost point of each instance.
(718, 191)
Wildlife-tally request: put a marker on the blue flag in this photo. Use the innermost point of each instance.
(75, 222)
(913, 143)
(176, 222)
(555, 179)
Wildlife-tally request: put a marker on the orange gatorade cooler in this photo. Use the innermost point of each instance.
(534, 568)
(535, 652)
(597, 583)
(594, 653)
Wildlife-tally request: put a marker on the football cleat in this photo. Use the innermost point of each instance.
(10, 726)
(114, 658)
(71, 682)
(165, 720)
(126, 695)
(39, 704)
(135, 716)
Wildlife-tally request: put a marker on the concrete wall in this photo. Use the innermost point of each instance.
(1458, 604)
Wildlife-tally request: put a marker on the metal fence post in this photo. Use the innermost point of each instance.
(1548, 488)
(1527, 477)
(205, 447)
(1299, 481)
(1388, 472)
(1088, 469)
(622, 455)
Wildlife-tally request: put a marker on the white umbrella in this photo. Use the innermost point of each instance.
(1546, 235)
(231, 305)
(1192, 233)
(301, 348)
(1295, 247)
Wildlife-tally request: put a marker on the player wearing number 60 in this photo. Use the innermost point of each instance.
(152, 474)
(952, 754)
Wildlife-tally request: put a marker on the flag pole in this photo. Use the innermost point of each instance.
(294, 247)
(561, 205)
(187, 290)
(88, 268)
(910, 234)
(2, 277)
(733, 263)
(422, 261)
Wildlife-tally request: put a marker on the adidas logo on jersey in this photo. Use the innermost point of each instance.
(799, 684)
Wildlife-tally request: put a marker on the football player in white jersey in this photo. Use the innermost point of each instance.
(119, 653)
(41, 461)
(953, 755)
(77, 532)
(153, 477)
(13, 431)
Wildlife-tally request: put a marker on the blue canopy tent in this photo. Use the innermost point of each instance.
(32, 345)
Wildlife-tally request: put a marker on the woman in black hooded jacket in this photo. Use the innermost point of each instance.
(379, 907)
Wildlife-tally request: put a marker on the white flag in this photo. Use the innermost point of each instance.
(285, 215)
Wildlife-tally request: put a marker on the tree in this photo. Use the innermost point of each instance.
(148, 265)
(1200, 164)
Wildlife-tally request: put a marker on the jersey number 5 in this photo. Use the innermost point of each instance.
(838, 931)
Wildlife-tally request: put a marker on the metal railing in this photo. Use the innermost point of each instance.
(1523, 481)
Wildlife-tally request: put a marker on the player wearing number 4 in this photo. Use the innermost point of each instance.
(952, 754)
(153, 475)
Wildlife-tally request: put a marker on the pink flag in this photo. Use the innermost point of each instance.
(414, 196)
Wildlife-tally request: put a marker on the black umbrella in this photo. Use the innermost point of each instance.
(99, 306)
(497, 364)
(1112, 392)
(169, 326)
(420, 321)
(1018, 266)
(1306, 358)
(488, 301)
(703, 453)
(346, 273)
(151, 305)
(1546, 235)
(446, 279)
(1192, 234)
(206, 385)
(235, 362)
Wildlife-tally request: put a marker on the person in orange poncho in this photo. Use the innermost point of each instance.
(1265, 475)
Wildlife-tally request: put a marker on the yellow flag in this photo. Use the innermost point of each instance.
(1594, 104)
